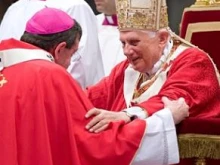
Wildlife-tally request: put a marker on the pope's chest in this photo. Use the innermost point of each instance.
(137, 90)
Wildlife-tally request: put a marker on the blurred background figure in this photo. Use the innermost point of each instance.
(92, 5)
(86, 65)
(111, 48)
(107, 9)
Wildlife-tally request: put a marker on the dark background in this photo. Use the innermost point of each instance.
(175, 10)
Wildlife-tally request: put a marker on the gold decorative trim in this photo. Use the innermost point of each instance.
(200, 161)
(201, 3)
(199, 146)
(201, 8)
(201, 27)
(2, 80)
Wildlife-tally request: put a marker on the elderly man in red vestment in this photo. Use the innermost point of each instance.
(159, 63)
(42, 109)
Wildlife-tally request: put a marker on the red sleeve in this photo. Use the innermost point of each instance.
(104, 93)
(192, 76)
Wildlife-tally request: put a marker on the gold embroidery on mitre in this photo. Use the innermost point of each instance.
(142, 14)
(2, 80)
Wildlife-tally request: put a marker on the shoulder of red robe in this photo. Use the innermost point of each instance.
(13, 52)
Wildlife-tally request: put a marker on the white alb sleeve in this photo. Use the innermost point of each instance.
(159, 144)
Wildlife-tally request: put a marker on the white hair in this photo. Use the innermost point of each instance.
(152, 34)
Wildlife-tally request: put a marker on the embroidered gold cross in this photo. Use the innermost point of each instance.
(2, 80)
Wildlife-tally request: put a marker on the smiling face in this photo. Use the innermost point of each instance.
(107, 7)
(143, 48)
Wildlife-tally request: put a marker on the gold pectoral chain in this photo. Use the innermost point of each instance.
(2, 80)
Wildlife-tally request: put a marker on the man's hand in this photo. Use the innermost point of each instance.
(178, 108)
(102, 118)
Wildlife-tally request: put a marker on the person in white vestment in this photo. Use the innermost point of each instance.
(86, 65)
(111, 48)
(107, 11)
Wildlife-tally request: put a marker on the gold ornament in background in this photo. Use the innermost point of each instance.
(207, 3)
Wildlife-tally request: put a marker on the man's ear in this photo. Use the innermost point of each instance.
(163, 37)
(59, 50)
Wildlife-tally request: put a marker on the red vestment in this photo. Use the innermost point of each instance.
(42, 119)
(191, 76)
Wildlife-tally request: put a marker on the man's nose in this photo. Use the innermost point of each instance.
(127, 50)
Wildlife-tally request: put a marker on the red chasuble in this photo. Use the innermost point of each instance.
(191, 76)
(42, 119)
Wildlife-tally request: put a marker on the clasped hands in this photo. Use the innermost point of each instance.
(102, 118)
